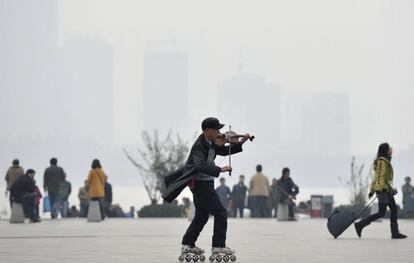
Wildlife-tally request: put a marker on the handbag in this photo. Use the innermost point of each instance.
(46, 204)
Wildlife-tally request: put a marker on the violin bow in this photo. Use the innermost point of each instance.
(229, 148)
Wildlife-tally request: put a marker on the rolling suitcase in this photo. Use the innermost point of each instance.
(339, 221)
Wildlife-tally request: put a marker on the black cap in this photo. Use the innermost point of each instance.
(212, 123)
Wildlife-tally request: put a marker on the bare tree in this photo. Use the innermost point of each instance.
(358, 184)
(158, 158)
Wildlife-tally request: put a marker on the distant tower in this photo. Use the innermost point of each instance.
(28, 50)
(62, 93)
(254, 106)
(327, 124)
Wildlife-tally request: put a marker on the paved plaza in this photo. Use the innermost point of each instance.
(158, 240)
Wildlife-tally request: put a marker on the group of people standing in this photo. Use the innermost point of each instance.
(260, 197)
(22, 188)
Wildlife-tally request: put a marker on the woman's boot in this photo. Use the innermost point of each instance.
(395, 233)
(360, 225)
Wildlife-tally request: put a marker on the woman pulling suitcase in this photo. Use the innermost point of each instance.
(382, 186)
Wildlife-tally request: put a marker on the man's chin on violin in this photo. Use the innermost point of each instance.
(211, 132)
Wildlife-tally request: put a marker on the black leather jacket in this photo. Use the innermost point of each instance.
(288, 187)
(23, 185)
(196, 163)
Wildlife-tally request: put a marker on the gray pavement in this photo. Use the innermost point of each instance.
(158, 240)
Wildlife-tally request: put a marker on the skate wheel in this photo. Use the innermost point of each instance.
(218, 258)
(211, 259)
(195, 258)
(233, 258)
(188, 258)
(181, 258)
(202, 258)
(226, 258)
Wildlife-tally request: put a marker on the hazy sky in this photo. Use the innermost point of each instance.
(363, 49)
(360, 48)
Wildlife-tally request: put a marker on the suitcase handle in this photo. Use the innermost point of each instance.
(360, 213)
(366, 207)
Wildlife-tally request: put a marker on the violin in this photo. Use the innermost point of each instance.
(230, 138)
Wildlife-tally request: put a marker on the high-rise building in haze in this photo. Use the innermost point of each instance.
(250, 103)
(52, 93)
(327, 124)
(28, 46)
(166, 92)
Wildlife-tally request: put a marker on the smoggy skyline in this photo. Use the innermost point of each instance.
(315, 81)
(364, 52)
(366, 58)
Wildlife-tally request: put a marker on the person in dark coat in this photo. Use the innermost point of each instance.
(408, 194)
(65, 189)
(23, 191)
(274, 196)
(288, 190)
(238, 197)
(199, 174)
(224, 193)
(52, 178)
(108, 195)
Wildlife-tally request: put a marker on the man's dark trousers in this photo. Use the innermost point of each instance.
(27, 202)
(206, 202)
(239, 208)
(260, 206)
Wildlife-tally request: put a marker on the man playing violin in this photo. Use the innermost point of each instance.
(199, 174)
